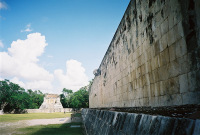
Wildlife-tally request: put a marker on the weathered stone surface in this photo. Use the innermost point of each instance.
(136, 124)
(153, 58)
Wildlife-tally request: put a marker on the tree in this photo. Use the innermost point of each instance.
(14, 97)
(65, 97)
(78, 99)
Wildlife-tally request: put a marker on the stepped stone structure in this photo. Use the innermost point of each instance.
(153, 59)
(50, 104)
(51, 101)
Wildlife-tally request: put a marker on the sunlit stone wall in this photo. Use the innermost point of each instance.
(153, 58)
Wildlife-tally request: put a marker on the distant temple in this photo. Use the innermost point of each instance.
(51, 101)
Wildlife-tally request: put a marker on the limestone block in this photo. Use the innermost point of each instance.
(184, 64)
(192, 81)
(181, 48)
(183, 80)
(164, 100)
(173, 86)
(129, 78)
(125, 96)
(157, 89)
(138, 72)
(155, 75)
(164, 42)
(177, 99)
(174, 69)
(191, 97)
(151, 77)
(180, 29)
(171, 21)
(152, 51)
(152, 90)
(164, 57)
(144, 81)
(149, 54)
(142, 69)
(171, 37)
(141, 81)
(157, 34)
(177, 15)
(162, 88)
(154, 62)
(140, 93)
(157, 47)
(163, 73)
(168, 100)
(177, 33)
(164, 27)
(172, 52)
(147, 66)
(147, 79)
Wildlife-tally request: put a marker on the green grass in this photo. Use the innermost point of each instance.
(30, 116)
(53, 129)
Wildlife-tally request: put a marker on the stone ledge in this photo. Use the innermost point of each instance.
(111, 123)
(183, 111)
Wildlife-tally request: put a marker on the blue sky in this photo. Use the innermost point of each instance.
(78, 33)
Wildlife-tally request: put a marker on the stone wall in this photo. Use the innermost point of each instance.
(98, 122)
(153, 58)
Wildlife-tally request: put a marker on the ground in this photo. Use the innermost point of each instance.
(38, 123)
(17, 117)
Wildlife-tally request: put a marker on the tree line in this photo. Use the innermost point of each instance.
(78, 99)
(15, 98)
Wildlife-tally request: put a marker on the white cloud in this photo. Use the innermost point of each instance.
(75, 76)
(1, 44)
(27, 28)
(3, 5)
(17, 81)
(45, 86)
(21, 62)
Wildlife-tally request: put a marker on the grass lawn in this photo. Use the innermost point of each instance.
(54, 129)
(29, 116)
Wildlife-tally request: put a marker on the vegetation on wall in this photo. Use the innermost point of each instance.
(15, 98)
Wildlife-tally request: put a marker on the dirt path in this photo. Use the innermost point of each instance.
(8, 128)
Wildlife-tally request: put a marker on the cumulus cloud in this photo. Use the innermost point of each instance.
(21, 62)
(75, 76)
(43, 85)
(3, 5)
(1, 44)
(27, 28)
